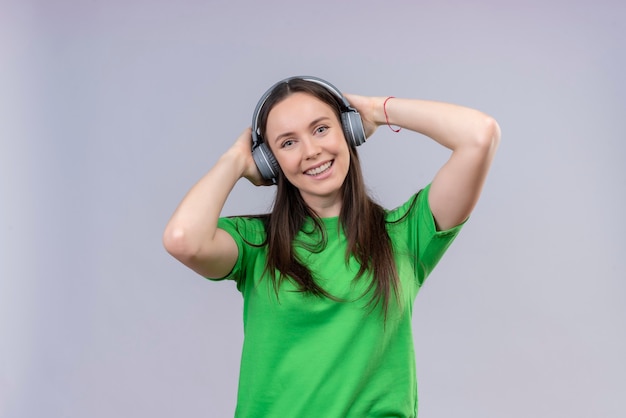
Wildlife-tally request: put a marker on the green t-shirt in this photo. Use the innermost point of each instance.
(309, 356)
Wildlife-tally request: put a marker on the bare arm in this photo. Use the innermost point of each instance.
(192, 235)
(472, 136)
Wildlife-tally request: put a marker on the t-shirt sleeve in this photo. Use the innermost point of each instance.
(249, 235)
(423, 241)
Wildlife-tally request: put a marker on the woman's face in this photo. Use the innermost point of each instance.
(307, 140)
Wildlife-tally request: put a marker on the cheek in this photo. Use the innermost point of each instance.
(345, 151)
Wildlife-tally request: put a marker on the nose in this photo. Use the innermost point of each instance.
(311, 148)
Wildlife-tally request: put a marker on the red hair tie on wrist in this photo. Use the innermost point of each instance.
(387, 117)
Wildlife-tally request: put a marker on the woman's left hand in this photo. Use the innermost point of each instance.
(368, 108)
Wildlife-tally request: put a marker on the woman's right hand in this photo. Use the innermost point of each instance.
(243, 148)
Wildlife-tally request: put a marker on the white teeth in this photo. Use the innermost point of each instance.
(320, 169)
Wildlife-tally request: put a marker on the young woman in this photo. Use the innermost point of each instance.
(329, 277)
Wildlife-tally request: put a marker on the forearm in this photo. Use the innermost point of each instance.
(194, 223)
(450, 125)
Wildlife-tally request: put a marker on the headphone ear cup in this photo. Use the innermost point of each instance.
(265, 162)
(353, 127)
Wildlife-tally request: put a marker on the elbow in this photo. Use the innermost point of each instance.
(176, 242)
(488, 137)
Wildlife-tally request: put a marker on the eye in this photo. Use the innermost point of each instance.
(321, 129)
(287, 143)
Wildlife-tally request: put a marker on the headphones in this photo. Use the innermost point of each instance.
(350, 121)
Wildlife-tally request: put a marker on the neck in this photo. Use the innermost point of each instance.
(324, 207)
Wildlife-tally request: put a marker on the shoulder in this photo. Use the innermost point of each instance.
(411, 206)
(417, 212)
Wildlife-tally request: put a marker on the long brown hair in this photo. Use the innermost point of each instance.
(362, 219)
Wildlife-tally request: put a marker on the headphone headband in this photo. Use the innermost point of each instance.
(257, 111)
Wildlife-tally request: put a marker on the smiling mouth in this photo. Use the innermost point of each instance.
(319, 170)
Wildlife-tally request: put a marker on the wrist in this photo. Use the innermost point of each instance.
(386, 112)
(379, 110)
(236, 159)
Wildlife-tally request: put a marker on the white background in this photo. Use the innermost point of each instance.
(111, 110)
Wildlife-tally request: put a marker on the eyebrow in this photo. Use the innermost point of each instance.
(312, 124)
